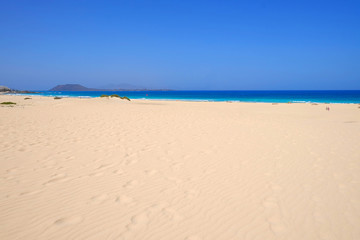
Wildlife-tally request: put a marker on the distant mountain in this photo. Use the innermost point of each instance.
(79, 88)
(120, 86)
(4, 89)
(72, 87)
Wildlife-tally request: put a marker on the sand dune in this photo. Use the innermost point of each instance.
(113, 169)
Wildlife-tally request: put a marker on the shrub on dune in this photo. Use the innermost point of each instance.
(116, 96)
(8, 103)
(126, 98)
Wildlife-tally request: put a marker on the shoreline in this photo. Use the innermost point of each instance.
(183, 100)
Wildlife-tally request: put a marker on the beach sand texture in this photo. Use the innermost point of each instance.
(113, 169)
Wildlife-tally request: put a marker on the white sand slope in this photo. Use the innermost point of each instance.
(112, 169)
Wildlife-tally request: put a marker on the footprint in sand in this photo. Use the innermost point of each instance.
(30, 193)
(99, 199)
(172, 214)
(191, 193)
(69, 221)
(123, 199)
(136, 222)
(131, 184)
(141, 220)
(131, 161)
(9, 178)
(119, 171)
(57, 179)
(104, 166)
(69, 157)
(276, 225)
(11, 170)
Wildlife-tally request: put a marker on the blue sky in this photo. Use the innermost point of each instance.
(208, 45)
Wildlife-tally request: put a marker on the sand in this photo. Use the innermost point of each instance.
(113, 169)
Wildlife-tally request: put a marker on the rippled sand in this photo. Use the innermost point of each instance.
(112, 169)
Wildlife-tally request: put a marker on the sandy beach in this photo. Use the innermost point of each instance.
(113, 169)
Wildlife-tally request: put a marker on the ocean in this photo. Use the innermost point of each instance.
(350, 96)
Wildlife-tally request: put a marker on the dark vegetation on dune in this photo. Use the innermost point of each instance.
(8, 103)
(115, 95)
(57, 98)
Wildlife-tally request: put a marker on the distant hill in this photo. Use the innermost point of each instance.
(73, 87)
(79, 88)
(119, 86)
(4, 89)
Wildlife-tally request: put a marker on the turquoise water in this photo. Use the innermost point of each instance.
(351, 96)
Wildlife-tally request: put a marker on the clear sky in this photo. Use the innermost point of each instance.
(187, 44)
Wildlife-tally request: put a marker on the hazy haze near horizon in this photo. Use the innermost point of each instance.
(181, 44)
